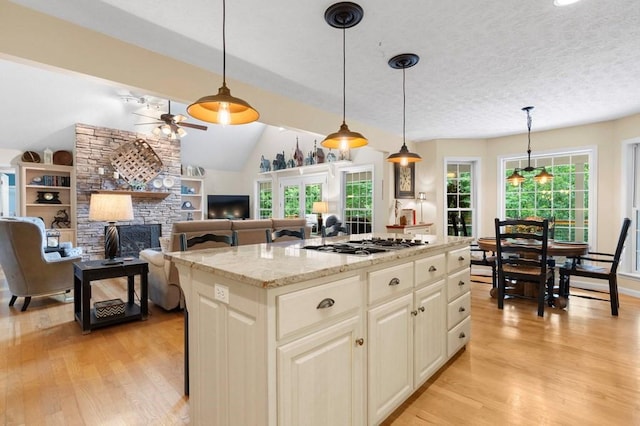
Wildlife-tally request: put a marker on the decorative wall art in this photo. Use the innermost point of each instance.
(405, 180)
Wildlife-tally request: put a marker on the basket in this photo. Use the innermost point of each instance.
(136, 162)
(109, 308)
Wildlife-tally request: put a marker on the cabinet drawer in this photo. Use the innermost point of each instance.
(430, 269)
(458, 310)
(458, 336)
(458, 284)
(390, 281)
(457, 259)
(311, 306)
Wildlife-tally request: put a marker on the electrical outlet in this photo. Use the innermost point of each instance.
(221, 293)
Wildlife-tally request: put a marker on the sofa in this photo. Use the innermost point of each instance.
(164, 285)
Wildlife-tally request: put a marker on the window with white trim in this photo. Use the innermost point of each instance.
(566, 198)
(358, 201)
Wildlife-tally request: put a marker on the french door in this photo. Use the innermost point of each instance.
(298, 194)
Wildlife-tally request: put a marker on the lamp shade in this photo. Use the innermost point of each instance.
(223, 109)
(110, 207)
(320, 207)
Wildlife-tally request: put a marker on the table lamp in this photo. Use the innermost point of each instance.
(422, 197)
(320, 207)
(110, 208)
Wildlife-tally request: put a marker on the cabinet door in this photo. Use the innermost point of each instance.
(430, 331)
(229, 389)
(390, 356)
(320, 377)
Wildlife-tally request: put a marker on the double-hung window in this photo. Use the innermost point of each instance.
(567, 198)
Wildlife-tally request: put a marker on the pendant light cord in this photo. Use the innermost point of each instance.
(528, 139)
(404, 108)
(224, 44)
(344, 74)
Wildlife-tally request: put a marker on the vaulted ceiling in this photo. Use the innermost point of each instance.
(481, 61)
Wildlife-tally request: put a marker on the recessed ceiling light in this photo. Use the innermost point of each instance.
(561, 3)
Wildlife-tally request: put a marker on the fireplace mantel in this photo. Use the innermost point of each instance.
(135, 194)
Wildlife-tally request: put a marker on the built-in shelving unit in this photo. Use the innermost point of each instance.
(310, 168)
(192, 195)
(49, 191)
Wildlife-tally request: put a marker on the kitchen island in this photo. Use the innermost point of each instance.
(283, 335)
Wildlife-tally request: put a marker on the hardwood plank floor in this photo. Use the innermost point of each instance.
(575, 367)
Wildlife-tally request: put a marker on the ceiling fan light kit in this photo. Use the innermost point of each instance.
(516, 178)
(223, 108)
(404, 61)
(344, 15)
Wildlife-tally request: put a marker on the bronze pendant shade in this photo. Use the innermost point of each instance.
(223, 108)
(404, 61)
(344, 15)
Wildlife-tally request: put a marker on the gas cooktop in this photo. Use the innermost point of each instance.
(367, 247)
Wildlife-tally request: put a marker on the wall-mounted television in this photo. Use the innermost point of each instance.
(228, 207)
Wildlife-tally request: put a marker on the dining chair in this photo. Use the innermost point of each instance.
(596, 265)
(479, 257)
(208, 240)
(521, 253)
(287, 234)
(333, 231)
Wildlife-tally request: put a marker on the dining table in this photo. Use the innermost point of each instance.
(554, 249)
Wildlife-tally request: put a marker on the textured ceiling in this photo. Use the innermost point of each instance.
(481, 60)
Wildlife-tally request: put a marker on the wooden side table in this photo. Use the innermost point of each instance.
(92, 270)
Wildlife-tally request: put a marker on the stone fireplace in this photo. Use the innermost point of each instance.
(93, 151)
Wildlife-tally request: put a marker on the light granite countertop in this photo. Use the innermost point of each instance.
(283, 263)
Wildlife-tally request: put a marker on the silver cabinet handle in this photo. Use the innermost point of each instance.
(462, 335)
(360, 341)
(432, 268)
(460, 283)
(326, 303)
(394, 281)
(414, 313)
(461, 258)
(461, 309)
(421, 308)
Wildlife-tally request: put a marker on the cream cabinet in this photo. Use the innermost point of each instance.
(459, 300)
(345, 348)
(194, 203)
(48, 191)
(406, 331)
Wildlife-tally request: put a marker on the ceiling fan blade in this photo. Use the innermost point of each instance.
(147, 116)
(155, 122)
(193, 126)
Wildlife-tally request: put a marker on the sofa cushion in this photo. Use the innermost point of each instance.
(251, 231)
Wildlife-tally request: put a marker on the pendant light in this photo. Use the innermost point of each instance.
(404, 61)
(223, 108)
(344, 15)
(516, 178)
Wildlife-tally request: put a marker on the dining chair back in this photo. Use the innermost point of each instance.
(597, 265)
(521, 257)
(210, 240)
(333, 231)
(285, 234)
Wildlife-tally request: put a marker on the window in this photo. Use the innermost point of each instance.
(461, 196)
(358, 201)
(265, 200)
(632, 175)
(566, 198)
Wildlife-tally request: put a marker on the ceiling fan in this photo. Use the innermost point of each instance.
(171, 125)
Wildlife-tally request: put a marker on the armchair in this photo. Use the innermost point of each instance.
(30, 271)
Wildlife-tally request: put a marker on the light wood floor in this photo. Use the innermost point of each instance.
(575, 367)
